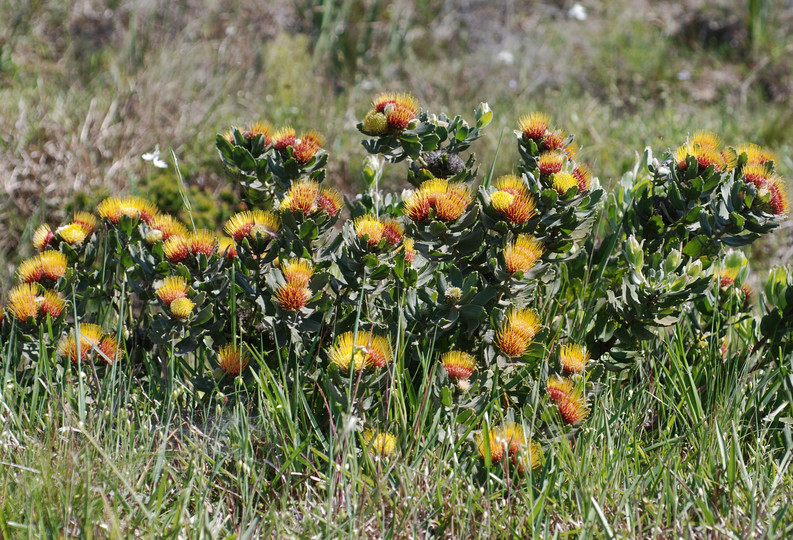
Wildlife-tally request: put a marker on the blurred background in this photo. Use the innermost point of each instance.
(89, 87)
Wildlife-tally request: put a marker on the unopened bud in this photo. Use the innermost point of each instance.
(672, 261)
(634, 253)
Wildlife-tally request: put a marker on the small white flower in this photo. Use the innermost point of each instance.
(577, 12)
(155, 159)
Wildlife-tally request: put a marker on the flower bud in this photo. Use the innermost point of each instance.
(633, 253)
(672, 261)
(775, 287)
(694, 269)
(453, 295)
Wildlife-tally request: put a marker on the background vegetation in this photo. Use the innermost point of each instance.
(88, 88)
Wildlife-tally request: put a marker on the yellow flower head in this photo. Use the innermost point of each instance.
(417, 206)
(583, 176)
(380, 445)
(168, 226)
(139, 207)
(73, 233)
(360, 351)
(705, 156)
(410, 250)
(757, 155)
(302, 195)
(43, 238)
(232, 359)
(523, 253)
(393, 231)
(528, 457)
(458, 364)
(399, 109)
(524, 321)
(511, 342)
(706, 139)
(573, 358)
(511, 184)
(371, 227)
(307, 146)
(22, 302)
(265, 224)
(87, 220)
(173, 287)
(284, 138)
(534, 125)
(493, 443)
(779, 198)
(257, 128)
(182, 307)
(30, 270)
(53, 264)
(559, 387)
(297, 271)
(563, 181)
(451, 204)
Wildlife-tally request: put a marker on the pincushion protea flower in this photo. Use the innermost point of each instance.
(23, 302)
(522, 254)
(583, 176)
(517, 332)
(449, 199)
(307, 147)
(393, 231)
(513, 200)
(113, 208)
(573, 407)
(297, 271)
(254, 129)
(360, 351)
(533, 126)
(529, 456)
(399, 110)
(550, 163)
(168, 226)
(202, 241)
(410, 250)
(43, 238)
(369, 227)
(89, 337)
(756, 155)
(380, 445)
(302, 195)
(181, 308)
(558, 387)
(227, 247)
(458, 364)
(492, 443)
(563, 182)
(30, 270)
(292, 296)
(52, 304)
(176, 249)
(173, 287)
(53, 264)
(72, 234)
(330, 200)
(252, 223)
(284, 138)
(86, 220)
(110, 350)
(232, 359)
(573, 358)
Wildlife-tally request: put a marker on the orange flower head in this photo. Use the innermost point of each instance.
(393, 231)
(30, 270)
(573, 408)
(518, 209)
(284, 138)
(533, 126)
(239, 225)
(330, 201)
(399, 109)
(292, 297)
(434, 189)
(573, 358)
(89, 337)
(583, 176)
(451, 204)
(297, 271)
(513, 437)
(43, 238)
(550, 163)
(232, 359)
(257, 128)
(417, 206)
(52, 304)
(558, 387)
(564, 181)
(492, 443)
(139, 207)
(173, 287)
(301, 196)
(87, 220)
(53, 264)
(23, 302)
(265, 224)
(176, 249)
(168, 226)
(512, 342)
(380, 445)
(203, 241)
(181, 308)
(554, 140)
(110, 350)
(371, 227)
(72, 234)
(705, 156)
(511, 184)
(360, 351)
(706, 139)
(307, 147)
(458, 364)
(227, 247)
(523, 253)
